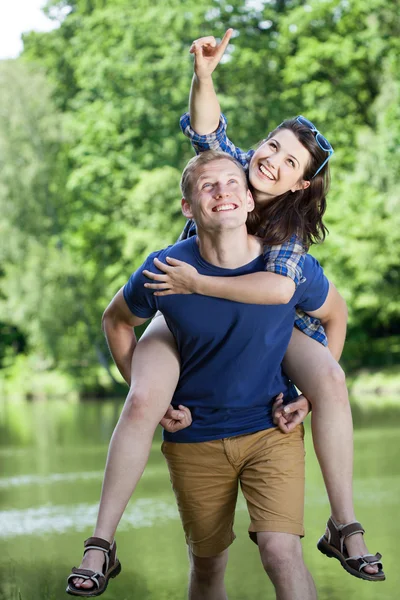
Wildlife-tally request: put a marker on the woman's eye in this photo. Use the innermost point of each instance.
(273, 145)
(291, 163)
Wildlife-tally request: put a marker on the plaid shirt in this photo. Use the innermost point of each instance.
(285, 259)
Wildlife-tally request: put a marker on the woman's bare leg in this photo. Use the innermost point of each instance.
(316, 373)
(155, 374)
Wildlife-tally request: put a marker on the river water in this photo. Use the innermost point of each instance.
(52, 457)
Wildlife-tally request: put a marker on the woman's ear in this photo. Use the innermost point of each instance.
(186, 209)
(301, 185)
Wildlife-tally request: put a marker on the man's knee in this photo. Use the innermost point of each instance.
(279, 550)
(207, 569)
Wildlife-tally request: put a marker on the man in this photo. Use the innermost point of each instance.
(231, 356)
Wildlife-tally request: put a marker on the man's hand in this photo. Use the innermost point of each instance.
(289, 416)
(178, 278)
(175, 420)
(207, 54)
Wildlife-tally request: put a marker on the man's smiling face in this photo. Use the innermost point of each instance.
(220, 197)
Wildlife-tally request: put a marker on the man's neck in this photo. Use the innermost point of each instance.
(228, 249)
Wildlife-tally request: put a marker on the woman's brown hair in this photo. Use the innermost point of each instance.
(298, 212)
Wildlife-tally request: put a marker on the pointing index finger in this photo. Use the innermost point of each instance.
(224, 42)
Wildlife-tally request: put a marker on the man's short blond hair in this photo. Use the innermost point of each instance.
(189, 173)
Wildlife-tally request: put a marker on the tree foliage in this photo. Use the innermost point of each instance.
(91, 151)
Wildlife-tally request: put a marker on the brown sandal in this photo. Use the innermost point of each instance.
(111, 568)
(332, 544)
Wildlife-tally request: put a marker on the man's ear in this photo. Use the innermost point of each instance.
(301, 185)
(250, 201)
(186, 209)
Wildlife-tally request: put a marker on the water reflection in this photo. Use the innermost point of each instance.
(44, 520)
(51, 478)
(52, 458)
(7, 482)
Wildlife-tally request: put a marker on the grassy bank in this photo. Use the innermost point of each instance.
(375, 388)
(375, 396)
(370, 388)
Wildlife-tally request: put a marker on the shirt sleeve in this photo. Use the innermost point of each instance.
(286, 259)
(217, 140)
(140, 300)
(310, 326)
(316, 287)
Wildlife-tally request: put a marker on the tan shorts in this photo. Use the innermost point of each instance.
(268, 464)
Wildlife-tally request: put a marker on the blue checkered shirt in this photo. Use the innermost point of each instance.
(284, 259)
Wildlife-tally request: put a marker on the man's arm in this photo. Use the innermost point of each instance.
(333, 316)
(203, 102)
(118, 323)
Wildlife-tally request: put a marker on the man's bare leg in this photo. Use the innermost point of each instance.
(320, 378)
(207, 577)
(155, 374)
(282, 558)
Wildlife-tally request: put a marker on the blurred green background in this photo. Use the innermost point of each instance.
(91, 155)
(90, 161)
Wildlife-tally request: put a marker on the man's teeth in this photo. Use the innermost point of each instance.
(265, 172)
(224, 207)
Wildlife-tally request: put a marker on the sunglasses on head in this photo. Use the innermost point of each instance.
(319, 138)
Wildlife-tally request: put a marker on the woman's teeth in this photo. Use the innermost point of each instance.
(265, 172)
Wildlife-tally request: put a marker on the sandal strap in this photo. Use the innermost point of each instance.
(332, 534)
(96, 543)
(367, 560)
(336, 534)
(95, 576)
(351, 529)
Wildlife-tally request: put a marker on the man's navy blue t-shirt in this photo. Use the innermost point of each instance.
(231, 353)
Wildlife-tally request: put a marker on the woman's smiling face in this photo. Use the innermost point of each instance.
(278, 166)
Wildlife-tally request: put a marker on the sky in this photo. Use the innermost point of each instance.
(16, 17)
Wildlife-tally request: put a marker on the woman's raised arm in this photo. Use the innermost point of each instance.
(203, 102)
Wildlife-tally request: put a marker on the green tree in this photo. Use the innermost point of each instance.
(42, 275)
(364, 258)
(91, 152)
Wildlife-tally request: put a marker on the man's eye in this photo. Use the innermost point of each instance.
(232, 181)
(206, 185)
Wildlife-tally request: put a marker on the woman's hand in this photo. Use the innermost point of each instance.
(207, 54)
(178, 278)
(175, 420)
(289, 416)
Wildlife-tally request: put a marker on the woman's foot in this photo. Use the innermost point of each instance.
(92, 560)
(98, 566)
(344, 541)
(355, 546)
